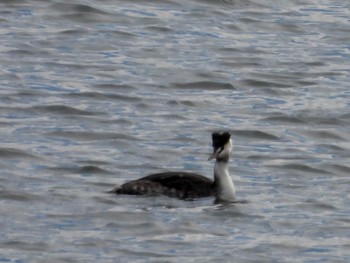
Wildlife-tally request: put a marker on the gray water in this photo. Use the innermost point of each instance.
(95, 93)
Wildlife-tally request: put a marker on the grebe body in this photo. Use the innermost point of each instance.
(183, 185)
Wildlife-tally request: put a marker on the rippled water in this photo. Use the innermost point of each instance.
(95, 93)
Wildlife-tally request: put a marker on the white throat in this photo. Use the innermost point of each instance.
(224, 187)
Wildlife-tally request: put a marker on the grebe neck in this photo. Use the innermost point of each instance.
(223, 184)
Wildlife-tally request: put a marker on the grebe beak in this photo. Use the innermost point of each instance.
(214, 154)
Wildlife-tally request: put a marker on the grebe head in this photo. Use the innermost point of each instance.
(222, 145)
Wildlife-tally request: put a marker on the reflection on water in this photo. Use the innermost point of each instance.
(98, 93)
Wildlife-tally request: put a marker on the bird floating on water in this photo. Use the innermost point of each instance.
(187, 185)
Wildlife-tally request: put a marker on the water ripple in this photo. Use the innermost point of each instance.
(63, 110)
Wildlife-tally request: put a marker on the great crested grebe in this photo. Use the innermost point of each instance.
(186, 185)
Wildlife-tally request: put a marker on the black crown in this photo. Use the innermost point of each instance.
(220, 139)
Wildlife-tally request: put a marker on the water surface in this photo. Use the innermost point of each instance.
(95, 93)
